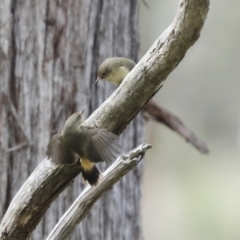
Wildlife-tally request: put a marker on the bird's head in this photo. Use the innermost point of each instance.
(73, 122)
(114, 69)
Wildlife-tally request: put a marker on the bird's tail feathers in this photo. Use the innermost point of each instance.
(90, 172)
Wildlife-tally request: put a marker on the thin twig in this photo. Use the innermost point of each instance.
(19, 123)
(90, 195)
(17, 147)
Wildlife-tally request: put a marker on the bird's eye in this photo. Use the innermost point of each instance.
(79, 117)
(105, 73)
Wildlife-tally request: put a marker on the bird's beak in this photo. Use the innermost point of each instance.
(98, 80)
(82, 111)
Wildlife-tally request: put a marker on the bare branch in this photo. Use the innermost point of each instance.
(90, 195)
(35, 196)
(165, 117)
(19, 123)
(48, 180)
(17, 147)
(145, 79)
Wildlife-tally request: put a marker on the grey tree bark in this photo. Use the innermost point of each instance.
(49, 54)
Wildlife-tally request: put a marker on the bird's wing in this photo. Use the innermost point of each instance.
(103, 145)
(129, 64)
(58, 152)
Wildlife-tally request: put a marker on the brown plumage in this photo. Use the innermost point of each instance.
(92, 145)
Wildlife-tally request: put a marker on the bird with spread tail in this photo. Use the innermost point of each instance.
(91, 144)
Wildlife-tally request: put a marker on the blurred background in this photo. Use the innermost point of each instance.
(187, 195)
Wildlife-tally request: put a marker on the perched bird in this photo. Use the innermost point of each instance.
(114, 69)
(90, 144)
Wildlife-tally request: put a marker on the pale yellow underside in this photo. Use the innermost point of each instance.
(118, 75)
(86, 164)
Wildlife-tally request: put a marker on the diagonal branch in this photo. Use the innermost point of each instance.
(89, 196)
(145, 79)
(167, 118)
(19, 123)
(36, 195)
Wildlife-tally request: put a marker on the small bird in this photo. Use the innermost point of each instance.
(91, 144)
(114, 69)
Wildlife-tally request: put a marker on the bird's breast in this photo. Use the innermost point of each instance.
(119, 75)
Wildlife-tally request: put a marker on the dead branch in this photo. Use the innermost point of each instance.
(48, 180)
(90, 195)
(167, 118)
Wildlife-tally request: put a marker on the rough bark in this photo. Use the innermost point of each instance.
(120, 108)
(49, 53)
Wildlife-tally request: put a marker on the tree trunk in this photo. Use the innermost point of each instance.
(49, 55)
